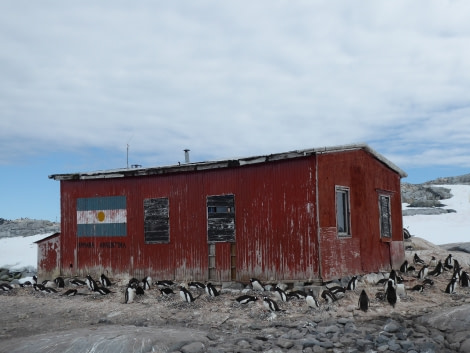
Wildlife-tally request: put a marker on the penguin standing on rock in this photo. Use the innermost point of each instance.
(417, 260)
(464, 279)
(364, 301)
(352, 284)
(146, 282)
(312, 302)
(450, 289)
(423, 272)
(404, 267)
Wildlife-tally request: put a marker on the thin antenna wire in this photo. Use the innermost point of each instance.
(127, 156)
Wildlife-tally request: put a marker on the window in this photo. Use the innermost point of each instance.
(385, 216)
(343, 224)
(156, 220)
(221, 218)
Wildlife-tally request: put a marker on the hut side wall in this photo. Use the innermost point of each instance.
(275, 227)
(365, 251)
(49, 257)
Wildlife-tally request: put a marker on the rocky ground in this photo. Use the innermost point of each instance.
(432, 321)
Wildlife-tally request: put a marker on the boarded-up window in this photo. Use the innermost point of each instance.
(156, 221)
(385, 216)
(221, 218)
(343, 223)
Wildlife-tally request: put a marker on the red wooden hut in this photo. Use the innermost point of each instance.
(315, 214)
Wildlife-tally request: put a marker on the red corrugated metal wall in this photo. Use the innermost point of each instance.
(364, 251)
(49, 257)
(276, 234)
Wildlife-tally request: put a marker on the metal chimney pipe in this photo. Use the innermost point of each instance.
(186, 155)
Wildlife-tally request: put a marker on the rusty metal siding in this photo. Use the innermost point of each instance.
(49, 257)
(365, 176)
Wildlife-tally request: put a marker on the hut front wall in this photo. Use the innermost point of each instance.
(364, 251)
(275, 227)
(49, 258)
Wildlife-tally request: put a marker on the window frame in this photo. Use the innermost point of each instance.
(346, 210)
(220, 212)
(382, 215)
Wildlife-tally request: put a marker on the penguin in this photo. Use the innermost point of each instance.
(35, 279)
(448, 262)
(417, 260)
(245, 299)
(270, 304)
(77, 282)
(328, 296)
(312, 302)
(38, 287)
(105, 282)
(338, 291)
(280, 294)
(433, 262)
(364, 301)
(196, 285)
(438, 270)
(165, 283)
(59, 282)
(422, 274)
(129, 296)
(382, 281)
(256, 285)
(48, 283)
(139, 290)
(166, 291)
(133, 282)
(391, 294)
(457, 270)
(411, 268)
(393, 277)
(6, 287)
(103, 290)
(404, 267)
(464, 282)
(418, 288)
(147, 282)
(211, 290)
(49, 290)
(451, 286)
(428, 281)
(70, 293)
(352, 284)
(91, 284)
(299, 294)
(186, 295)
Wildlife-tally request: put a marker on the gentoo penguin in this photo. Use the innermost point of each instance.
(48, 283)
(393, 277)
(103, 290)
(352, 284)
(404, 267)
(134, 282)
(138, 290)
(48, 290)
(129, 296)
(448, 262)
(428, 281)
(391, 294)
(422, 274)
(166, 291)
(245, 299)
(165, 283)
(270, 304)
(280, 294)
(91, 284)
(59, 282)
(186, 295)
(35, 279)
(411, 268)
(77, 282)
(363, 301)
(312, 302)
(6, 287)
(328, 296)
(464, 279)
(417, 260)
(451, 286)
(211, 290)
(105, 282)
(70, 293)
(38, 287)
(299, 294)
(433, 262)
(338, 291)
(256, 285)
(457, 269)
(146, 282)
(196, 285)
(438, 270)
(418, 288)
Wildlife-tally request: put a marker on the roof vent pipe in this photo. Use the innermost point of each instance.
(186, 155)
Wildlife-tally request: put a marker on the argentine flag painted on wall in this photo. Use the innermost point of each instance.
(101, 216)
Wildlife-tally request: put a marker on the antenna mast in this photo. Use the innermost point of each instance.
(127, 156)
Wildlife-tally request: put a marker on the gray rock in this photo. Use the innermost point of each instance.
(392, 327)
(195, 347)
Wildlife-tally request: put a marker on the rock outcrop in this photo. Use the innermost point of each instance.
(25, 227)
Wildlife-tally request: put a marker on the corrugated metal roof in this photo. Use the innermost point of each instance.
(227, 163)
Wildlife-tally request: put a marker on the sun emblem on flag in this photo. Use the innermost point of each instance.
(100, 216)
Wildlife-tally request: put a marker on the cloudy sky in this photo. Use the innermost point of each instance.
(96, 85)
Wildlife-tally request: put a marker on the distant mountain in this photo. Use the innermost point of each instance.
(25, 227)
